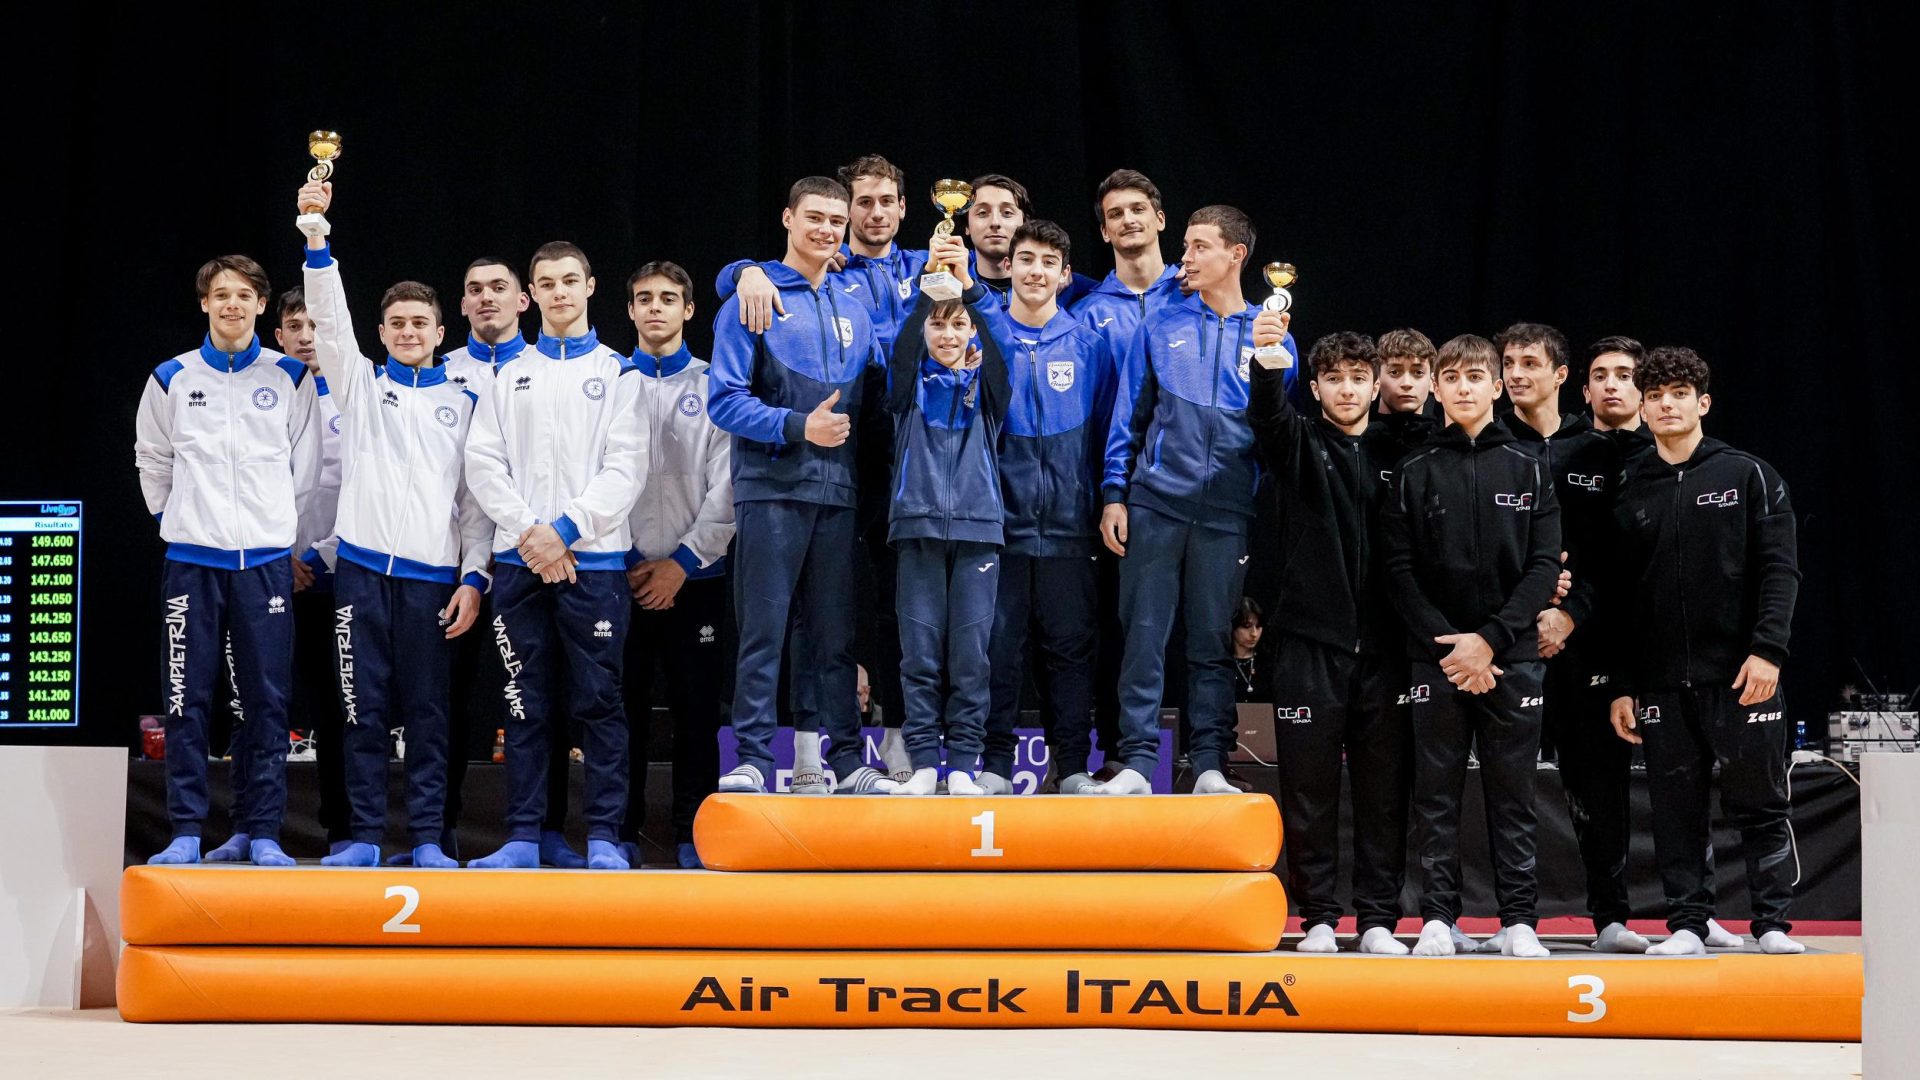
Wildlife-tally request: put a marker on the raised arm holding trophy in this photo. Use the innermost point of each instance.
(951, 196)
(325, 148)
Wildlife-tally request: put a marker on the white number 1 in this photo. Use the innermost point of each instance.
(409, 902)
(1594, 988)
(986, 850)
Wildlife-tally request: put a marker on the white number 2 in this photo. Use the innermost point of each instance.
(1594, 988)
(986, 850)
(409, 903)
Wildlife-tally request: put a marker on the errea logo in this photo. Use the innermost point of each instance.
(276, 605)
(603, 628)
(1764, 717)
(1523, 501)
(1723, 499)
(197, 397)
(524, 382)
(706, 635)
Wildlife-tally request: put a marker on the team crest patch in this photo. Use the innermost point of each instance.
(906, 288)
(845, 328)
(1060, 375)
(1246, 363)
(446, 416)
(333, 425)
(595, 388)
(265, 398)
(690, 405)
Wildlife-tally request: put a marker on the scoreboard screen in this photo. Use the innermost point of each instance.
(39, 614)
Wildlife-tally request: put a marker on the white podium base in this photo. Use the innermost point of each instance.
(64, 810)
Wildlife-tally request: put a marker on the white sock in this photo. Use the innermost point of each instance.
(1778, 943)
(1522, 941)
(1679, 943)
(961, 782)
(1077, 784)
(743, 778)
(1436, 939)
(1719, 937)
(1495, 944)
(806, 752)
(992, 784)
(1615, 937)
(893, 754)
(1213, 782)
(1319, 939)
(923, 782)
(1380, 942)
(1127, 783)
(1461, 942)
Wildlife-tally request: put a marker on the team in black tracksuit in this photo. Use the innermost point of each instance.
(1706, 576)
(1340, 669)
(1595, 764)
(1473, 546)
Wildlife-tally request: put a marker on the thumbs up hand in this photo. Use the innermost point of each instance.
(826, 427)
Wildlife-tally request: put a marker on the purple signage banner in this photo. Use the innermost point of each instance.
(1030, 757)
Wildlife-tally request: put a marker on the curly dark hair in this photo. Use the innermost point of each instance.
(1343, 347)
(1670, 364)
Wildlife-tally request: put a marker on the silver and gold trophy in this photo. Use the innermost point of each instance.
(951, 196)
(1279, 275)
(325, 148)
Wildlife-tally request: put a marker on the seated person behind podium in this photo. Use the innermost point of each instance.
(412, 557)
(1473, 550)
(228, 450)
(946, 522)
(1705, 574)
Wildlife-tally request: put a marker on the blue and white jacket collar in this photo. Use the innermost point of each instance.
(568, 348)
(222, 361)
(495, 354)
(663, 367)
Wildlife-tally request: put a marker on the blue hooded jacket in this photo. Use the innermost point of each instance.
(760, 388)
(1061, 381)
(946, 473)
(1181, 443)
(1116, 310)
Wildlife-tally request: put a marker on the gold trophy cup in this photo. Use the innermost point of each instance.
(325, 148)
(1279, 275)
(951, 196)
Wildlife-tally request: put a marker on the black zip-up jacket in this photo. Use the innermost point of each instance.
(1473, 543)
(1330, 487)
(1706, 569)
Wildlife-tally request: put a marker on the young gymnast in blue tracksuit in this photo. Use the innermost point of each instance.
(791, 396)
(1179, 488)
(1061, 376)
(946, 523)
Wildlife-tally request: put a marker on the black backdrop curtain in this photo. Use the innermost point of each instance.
(1714, 175)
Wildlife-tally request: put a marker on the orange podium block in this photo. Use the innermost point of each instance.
(1811, 997)
(193, 905)
(1027, 832)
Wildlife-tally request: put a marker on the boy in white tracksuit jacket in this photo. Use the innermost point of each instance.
(227, 450)
(557, 455)
(677, 570)
(413, 546)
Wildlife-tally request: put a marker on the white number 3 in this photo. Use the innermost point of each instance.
(1594, 988)
(409, 903)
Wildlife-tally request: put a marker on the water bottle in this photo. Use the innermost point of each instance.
(1800, 735)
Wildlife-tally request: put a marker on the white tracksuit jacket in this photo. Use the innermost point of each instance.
(686, 510)
(558, 439)
(404, 508)
(228, 449)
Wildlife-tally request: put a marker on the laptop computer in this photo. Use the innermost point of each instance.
(1255, 730)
